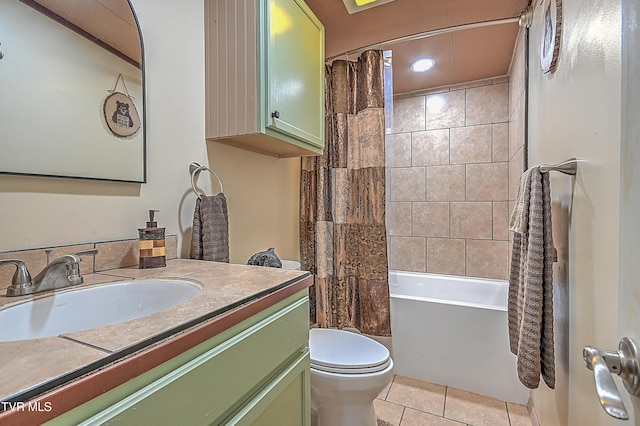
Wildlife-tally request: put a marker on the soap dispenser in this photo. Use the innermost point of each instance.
(152, 244)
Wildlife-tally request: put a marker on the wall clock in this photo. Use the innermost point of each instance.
(550, 43)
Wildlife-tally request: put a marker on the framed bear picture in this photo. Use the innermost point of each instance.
(121, 115)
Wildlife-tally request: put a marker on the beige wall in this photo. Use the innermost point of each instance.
(448, 171)
(575, 112)
(263, 199)
(41, 212)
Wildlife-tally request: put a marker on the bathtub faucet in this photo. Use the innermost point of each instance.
(60, 273)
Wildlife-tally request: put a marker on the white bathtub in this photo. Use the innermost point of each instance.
(453, 331)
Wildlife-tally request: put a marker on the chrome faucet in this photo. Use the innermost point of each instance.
(61, 272)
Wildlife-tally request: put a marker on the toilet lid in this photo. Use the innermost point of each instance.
(339, 351)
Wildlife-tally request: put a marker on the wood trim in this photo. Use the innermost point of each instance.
(76, 29)
(83, 390)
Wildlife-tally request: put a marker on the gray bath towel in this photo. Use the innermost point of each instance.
(530, 305)
(210, 234)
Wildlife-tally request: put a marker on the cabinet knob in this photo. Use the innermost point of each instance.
(275, 114)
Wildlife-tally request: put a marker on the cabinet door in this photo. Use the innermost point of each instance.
(286, 401)
(295, 72)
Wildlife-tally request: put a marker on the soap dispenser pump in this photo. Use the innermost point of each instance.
(152, 244)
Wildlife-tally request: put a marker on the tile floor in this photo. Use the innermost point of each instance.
(411, 402)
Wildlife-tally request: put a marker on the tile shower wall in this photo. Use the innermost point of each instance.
(448, 170)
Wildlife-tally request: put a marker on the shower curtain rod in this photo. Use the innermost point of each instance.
(429, 33)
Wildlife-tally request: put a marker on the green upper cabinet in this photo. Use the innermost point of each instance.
(265, 76)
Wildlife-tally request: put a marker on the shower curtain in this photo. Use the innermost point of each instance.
(343, 238)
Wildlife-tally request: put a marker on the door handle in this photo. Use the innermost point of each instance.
(623, 362)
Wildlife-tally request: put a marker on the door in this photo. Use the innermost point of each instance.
(295, 70)
(629, 284)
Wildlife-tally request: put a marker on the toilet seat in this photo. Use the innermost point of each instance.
(343, 352)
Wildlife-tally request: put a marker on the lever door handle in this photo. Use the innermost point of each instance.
(625, 363)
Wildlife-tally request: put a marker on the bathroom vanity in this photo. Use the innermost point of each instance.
(237, 353)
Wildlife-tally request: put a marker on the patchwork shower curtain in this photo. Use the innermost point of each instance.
(342, 206)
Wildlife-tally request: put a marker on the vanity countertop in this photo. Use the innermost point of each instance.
(32, 368)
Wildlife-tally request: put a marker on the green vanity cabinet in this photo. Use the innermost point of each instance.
(265, 76)
(254, 373)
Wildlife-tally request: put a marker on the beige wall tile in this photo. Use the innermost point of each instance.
(408, 184)
(399, 218)
(498, 80)
(471, 144)
(472, 220)
(517, 71)
(87, 263)
(35, 261)
(409, 114)
(445, 110)
(516, 168)
(430, 147)
(487, 104)
(172, 246)
(500, 142)
(501, 220)
(430, 219)
(398, 150)
(407, 254)
(488, 259)
(117, 254)
(516, 129)
(446, 256)
(487, 182)
(445, 183)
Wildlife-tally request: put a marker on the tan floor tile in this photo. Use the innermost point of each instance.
(474, 409)
(383, 393)
(418, 418)
(518, 415)
(388, 414)
(417, 394)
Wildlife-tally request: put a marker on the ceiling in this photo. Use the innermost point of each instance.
(110, 22)
(460, 56)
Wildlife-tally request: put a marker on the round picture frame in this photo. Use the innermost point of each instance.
(550, 43)
(121, 115)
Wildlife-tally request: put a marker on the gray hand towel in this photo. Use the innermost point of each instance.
(530, 305)
(210, 234)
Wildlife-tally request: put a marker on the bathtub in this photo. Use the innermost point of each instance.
(453, 331)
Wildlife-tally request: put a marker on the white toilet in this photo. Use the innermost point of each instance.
(348, 371)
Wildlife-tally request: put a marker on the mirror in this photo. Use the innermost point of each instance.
(71, 90)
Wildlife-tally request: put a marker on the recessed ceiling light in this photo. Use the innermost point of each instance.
(354, 6)
(422, 65)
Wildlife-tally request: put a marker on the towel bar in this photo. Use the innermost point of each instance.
(568, 167)
(194, 170)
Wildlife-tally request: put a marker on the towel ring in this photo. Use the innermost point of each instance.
(194, 170)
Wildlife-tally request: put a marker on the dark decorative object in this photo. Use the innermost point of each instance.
(267, 258)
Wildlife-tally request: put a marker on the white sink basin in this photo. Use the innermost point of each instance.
(93, 307)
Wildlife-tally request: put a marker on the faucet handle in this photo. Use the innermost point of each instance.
(21, 280)
(73, 269)
(89, 252)
(21, 276)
